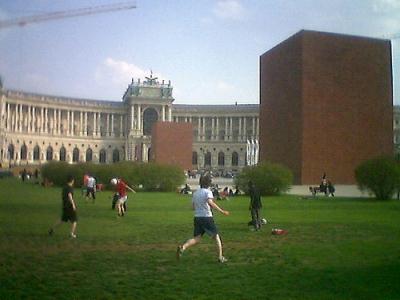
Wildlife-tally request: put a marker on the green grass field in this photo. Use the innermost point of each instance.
(335, 249)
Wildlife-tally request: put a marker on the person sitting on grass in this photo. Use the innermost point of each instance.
(202, 202)
(68, 208)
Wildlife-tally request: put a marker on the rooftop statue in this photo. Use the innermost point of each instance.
(151, 80)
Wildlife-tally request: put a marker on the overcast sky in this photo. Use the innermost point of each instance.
(209, 49)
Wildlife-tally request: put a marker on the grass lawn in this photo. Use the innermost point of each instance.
(338, 248)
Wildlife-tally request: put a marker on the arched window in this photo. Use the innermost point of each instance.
(49, 153)
(89, 155)
(194, 158)
(115, 155)
(103, 156)
(36, 153)
(235, 159)
(24, 152)
(207, 159)
(75, 155)
(221, 159)
(63, 154)
(150, 116)
(11, 151)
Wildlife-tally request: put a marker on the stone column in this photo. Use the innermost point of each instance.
(41, 120)
(217, 129)
(85, 125)
(8, 117)
(112, 124)
(139, 119)
(94, 124)
(72, 123)
(46, 120)
(169, 114)
(20, 118)
(28, 119)
(98, 124)
(59, 121)
(163, 113)
(81, 123)
(202, 137)
(16, 118)
(108, 131)
(34, 129)
(68, 124)
(244, 129)
(240, 129)
(226, 137)
(231, 128)
(121, 125)
(132, 117)
(198, 128)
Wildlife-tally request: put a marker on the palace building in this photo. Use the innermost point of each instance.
(36, 128)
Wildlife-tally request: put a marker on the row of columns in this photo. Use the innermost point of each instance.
(136, 120)
(228, 125)
(32, 119)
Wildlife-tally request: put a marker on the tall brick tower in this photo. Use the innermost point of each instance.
(326, 104)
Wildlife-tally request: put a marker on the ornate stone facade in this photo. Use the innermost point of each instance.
(36, 128)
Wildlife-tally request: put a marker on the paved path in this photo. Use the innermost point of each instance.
(341, 190)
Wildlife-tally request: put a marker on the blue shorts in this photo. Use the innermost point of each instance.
(204, 225)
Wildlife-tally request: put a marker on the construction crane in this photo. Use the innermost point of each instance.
(22, 21)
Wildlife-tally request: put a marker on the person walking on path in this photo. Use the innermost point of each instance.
(202, 202)
(68, 208)
(255, 206)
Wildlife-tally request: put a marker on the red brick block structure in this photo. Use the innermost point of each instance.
(171, 143)
(326, 104)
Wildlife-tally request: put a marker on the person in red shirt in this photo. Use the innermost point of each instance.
(121, 188)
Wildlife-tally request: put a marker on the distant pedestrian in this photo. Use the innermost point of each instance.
(91, 188)
(68, 208)
(24, 175)
(202, 202)
(121, 187)
(255, 206)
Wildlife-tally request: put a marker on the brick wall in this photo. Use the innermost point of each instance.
(328, 99)
(171, 143)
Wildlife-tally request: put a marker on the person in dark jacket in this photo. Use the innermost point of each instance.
(255, 205)
(68, 208)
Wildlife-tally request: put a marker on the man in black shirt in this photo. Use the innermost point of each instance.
(68, 208)
(255, 206)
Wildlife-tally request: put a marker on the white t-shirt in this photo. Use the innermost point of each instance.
(200, 202)
(91, 182)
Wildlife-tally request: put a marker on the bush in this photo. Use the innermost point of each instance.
(270, 178)
(381, 176)
(152, 177)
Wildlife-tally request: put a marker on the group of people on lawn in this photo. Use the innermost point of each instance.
(202, 203)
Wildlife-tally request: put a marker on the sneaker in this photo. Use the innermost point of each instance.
(222, 259)
(51, 231)
(179, 252)
(73, 236)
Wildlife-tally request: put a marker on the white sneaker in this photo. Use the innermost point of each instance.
(222, 259)
(73, 236)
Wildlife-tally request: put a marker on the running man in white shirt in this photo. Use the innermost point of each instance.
(202, 202)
